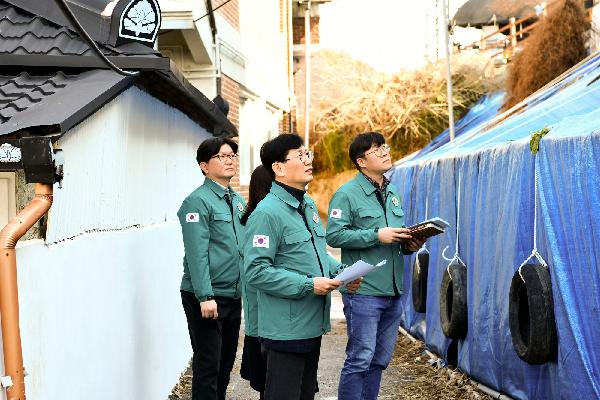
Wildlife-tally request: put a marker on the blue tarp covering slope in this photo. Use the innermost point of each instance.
(495, 168)
(484, 110)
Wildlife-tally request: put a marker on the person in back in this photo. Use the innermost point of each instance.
(254, 365)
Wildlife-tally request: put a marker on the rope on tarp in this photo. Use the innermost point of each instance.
(456, 258)
(534, 146)
(414, 197)
(423, 248)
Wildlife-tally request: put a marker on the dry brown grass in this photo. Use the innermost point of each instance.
(409, 108)
(557, 44)
(418, 380)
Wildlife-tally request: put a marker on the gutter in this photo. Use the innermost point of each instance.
(213, 30)
(14, 379)
(494, 394)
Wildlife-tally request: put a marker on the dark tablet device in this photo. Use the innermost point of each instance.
(425, 230)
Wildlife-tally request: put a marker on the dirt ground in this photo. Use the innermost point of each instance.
(408, 377)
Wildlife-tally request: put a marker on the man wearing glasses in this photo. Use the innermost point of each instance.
(286, 260)
(366, 221)
(210, 287)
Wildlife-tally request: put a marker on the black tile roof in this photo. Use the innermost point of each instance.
(50, 79)
(23, 91)
(22, 33)
(57, 101)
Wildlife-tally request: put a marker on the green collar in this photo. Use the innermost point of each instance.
(285, 196)
(368, 187)
(215, 187)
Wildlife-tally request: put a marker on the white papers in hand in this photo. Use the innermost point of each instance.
(357, 270)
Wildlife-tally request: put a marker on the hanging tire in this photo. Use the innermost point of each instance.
(419, 281)
(531, 315)
(453, 302)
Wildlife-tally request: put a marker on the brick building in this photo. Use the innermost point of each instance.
(248, 53)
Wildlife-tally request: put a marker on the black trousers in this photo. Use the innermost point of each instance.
(214, 343)
(291, 376)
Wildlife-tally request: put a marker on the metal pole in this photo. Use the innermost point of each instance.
(290, 28)
(307, 40)
(445, 21)
(513, 32)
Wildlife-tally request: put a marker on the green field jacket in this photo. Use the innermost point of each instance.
(249, 300)
(211, 264)
(281, 258)
(354, 214)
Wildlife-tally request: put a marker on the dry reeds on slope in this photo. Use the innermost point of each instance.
(409, 108)
(557, 44)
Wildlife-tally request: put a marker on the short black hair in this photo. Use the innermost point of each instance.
(211, 147)
(362, 143)
(277, 149)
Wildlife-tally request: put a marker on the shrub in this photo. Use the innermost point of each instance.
(556, 44)
(409, 108)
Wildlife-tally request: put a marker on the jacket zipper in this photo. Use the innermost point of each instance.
(382, 203)
(312, 239)
(230, 206)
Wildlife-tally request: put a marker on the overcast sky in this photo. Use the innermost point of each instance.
(388, 34)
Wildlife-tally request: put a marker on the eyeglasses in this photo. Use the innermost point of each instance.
(303, 155)
(224, 157)
(380, 151)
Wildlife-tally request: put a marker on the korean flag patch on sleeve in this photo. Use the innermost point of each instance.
(260, 241)
(336, 213)
(192, 217)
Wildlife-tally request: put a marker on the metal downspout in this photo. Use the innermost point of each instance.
(448, 71)
(9, 297)
(213, 30)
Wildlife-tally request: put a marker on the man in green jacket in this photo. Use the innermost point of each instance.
(210, 287)
(286, 260)
(366, 221)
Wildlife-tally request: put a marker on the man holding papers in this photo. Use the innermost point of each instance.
(366, 221)
(286, 260)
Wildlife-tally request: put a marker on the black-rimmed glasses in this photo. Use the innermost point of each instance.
(303, 155)
(225, 157)
(380, 152)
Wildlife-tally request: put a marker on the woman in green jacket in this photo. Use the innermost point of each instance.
(254, 366)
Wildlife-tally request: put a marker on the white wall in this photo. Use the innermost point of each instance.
(255, 56)
(258, 123)
(130, 164)
(264, 46)
(101, 314)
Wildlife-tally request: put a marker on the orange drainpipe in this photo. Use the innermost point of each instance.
(9, 297)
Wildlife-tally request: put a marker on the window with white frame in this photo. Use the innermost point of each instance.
(244, 142)
(7, 197)
(273, 116)
(259, 122)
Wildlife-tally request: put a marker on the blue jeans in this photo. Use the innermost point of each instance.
(372, 323)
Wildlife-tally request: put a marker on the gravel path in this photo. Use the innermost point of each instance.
(409, 375)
